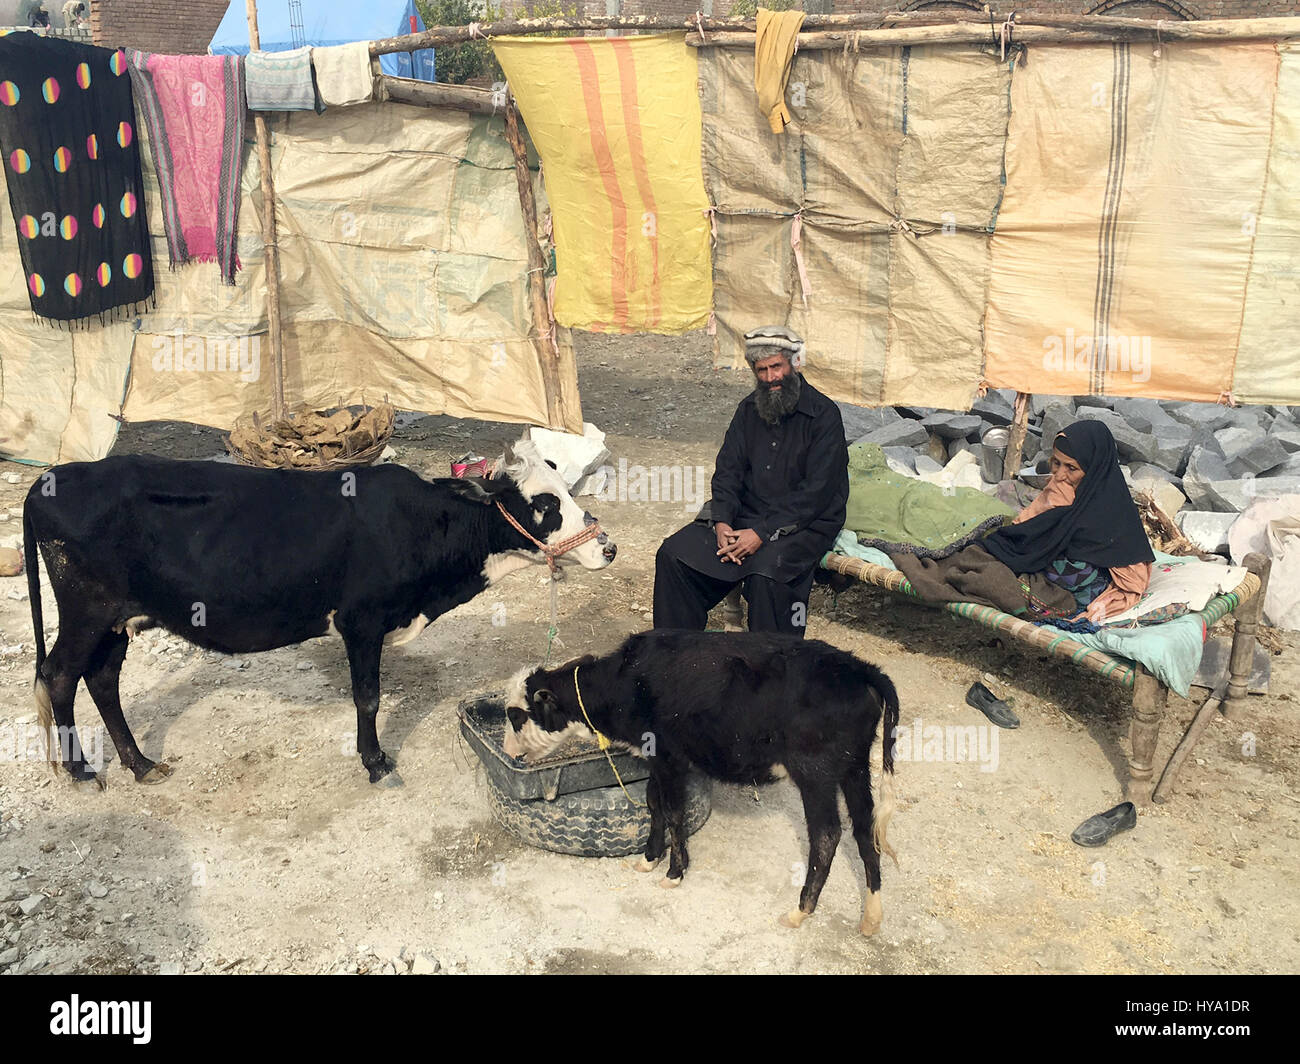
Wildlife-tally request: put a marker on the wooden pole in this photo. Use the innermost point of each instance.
(872, 29)
(269, 239)
(1241, 660)
(542, 323)
(1024, 32)
(1016, 443)
(1188, 743)
(428, 94)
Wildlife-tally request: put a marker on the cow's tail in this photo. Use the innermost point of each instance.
(40, 691)
(883, 809)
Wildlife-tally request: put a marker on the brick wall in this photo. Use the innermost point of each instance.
(174, 27)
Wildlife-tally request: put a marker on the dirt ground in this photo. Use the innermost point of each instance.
(267, 850)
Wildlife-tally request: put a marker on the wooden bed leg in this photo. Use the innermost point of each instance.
(733, 613)
(1242, 659)
(1149, 697)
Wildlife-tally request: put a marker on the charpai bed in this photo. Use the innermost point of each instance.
(1150, 693)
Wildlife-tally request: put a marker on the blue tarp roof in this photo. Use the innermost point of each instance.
(326, 22)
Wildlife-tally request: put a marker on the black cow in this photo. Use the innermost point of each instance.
(239, 560)
(740, 707)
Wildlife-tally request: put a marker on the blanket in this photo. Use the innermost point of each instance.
(281, 81)
(343, 73)
(887, 509)
(1175, 582)
(974, 575)
(193, 110)
(72, 165)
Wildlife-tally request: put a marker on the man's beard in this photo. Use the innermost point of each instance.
(775, 407)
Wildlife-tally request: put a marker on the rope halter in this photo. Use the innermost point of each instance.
(563, 547)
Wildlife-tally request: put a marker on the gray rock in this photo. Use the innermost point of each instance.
(1207, 530)
(169, 968)
(33, 903)
(34, 961)
(953, 426)
(1137, 413)
(1249, 450)
(1205, 470)
(994, 409)
(900, 459)
(1203, 418)
(1038, 404)
(1286, 433)
(859, 420)
(1164, 494)
(917, 413)
(902, 433)
(926, 464)
(1168, 452)
(96, 889)
(1146, 471)
(1055, 418)
(9, 957)
(1099, 402)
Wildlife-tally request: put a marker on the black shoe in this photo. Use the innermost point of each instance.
(995, 709)
(1098, 830)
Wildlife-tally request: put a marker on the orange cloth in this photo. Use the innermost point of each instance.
(1127, 582)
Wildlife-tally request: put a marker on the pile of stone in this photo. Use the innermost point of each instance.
(1202, 463)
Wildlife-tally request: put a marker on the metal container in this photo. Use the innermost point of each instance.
(994, 454)
(483, 723)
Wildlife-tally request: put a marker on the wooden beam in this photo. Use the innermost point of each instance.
(1081, 31)
(269, 238)
(1016, 442)
(894, 28)
(428, 94)
(547, 355)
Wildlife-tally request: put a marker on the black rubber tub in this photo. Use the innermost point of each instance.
(570, 802)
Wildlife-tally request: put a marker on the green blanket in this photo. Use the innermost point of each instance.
(886, 506)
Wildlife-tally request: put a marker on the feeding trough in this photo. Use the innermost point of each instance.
(313, 439)
(571, 801)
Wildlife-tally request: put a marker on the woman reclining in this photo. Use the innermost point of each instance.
(1077, 553)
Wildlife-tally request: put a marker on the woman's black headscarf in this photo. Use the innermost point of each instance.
(1102, 527)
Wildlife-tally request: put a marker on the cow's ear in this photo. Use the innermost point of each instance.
(548, 710)
(477, 489)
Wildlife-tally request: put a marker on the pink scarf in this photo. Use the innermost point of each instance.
(193, 108)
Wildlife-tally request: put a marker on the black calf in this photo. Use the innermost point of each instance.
(740, 707)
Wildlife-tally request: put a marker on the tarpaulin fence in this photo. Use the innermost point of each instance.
(403, 273)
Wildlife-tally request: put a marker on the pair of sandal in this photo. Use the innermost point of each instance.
(1096, 830)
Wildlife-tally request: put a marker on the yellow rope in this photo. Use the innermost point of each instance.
(602, 741)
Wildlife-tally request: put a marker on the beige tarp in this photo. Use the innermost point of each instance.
(891, 173)
(1268, 360)
(403, 273)
(1134, 184)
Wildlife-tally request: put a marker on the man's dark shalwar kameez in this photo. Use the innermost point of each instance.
(789, 483)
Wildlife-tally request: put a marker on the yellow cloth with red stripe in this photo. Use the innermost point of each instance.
(774, 43)
(616, 121)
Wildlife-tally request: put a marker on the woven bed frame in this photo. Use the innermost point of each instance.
(1149, 694)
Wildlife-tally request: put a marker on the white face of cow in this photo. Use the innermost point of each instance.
(526, 467)
(524, 736)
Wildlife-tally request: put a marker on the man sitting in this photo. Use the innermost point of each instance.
(780, 486)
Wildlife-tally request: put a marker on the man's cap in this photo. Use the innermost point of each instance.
(767, 341)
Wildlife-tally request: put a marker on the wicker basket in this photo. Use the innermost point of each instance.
(313, 439)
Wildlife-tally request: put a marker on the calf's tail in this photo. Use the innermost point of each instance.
(883, 809)
(40, 692)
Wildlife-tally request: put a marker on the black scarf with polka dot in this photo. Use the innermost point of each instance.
(72, 163)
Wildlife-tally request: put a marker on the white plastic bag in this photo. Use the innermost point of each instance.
(1272, 527)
